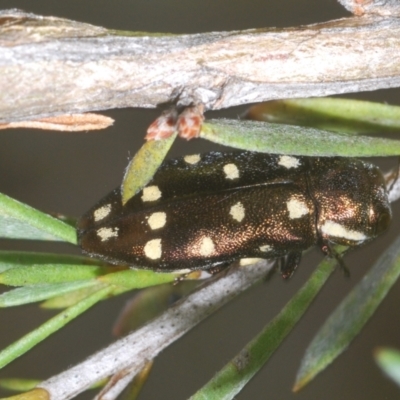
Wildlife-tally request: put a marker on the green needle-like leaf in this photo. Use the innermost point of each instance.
(350, 317)
(389, 361)
(19, 221)
(18, 385)
(144, 165)
(235, 375)
(30, 340)
(288, 139)
(49, 273)
(333, 114)
(69, 298)
(137, 279)
(17, 259)
(31, 294)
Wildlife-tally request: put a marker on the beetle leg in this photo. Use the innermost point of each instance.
(331, 252)
(342, 265)
(216, 269)
(288, 264)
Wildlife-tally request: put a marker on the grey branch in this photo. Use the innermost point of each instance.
(129, 355)
(51, 66)
(380, 7)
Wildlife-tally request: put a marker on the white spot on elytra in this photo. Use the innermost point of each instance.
(296, 208)
(334, 229)
(107, 233)
(289, 162)
(192, 159)
(231, 171)
(248, 261)
(157, 220)
(206, 246)
(102, 212)
(153, 249)
(151, 193)
(237, 211)
(265, 248)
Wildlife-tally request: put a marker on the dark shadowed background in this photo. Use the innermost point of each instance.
(68, 173)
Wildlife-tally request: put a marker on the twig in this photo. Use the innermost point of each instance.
(51, 66)
(69, 123)
(132, 352)
(380, 7)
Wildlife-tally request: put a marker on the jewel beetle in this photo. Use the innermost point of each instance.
(206, 211)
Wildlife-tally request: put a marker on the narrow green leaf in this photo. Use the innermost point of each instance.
(19, 221)
(350, 316)
(288, 139)
(16, 259)
(389, 361)
(34, 394)
(333, 114)
(18, 385)
(49, 273)
(31, 294)
(30, 340)
(137, 279)
(69, 298)
(228, 382)
(144, 165)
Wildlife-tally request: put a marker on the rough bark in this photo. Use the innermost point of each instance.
(51, 66)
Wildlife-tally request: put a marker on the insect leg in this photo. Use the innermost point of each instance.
(288, 264)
